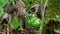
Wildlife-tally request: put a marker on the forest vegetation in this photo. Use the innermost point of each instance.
(29, 16)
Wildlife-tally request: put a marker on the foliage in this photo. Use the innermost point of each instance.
(57, 18)
(3, 3)
(15, 24)
(29, 3)
(47, 20)
(53, 10)
(33, 21)
(57, 31)
(1, 12)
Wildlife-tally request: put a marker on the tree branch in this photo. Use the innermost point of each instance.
(43, 6)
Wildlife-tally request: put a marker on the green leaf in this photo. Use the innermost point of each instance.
(57, 18)
(33, 21)
(15, 24)
(57, 31)
(3, 3)
(47, 20)
(1, 12)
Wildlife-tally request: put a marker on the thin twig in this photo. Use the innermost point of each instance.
(42, 16)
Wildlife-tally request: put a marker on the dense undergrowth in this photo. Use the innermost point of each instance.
(52, 11)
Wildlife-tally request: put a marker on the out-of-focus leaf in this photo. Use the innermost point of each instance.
(57, 31)
(33, 21)
(1, 12)
(47, 20)
(15, 24)
(3, 3)
(57, 18)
